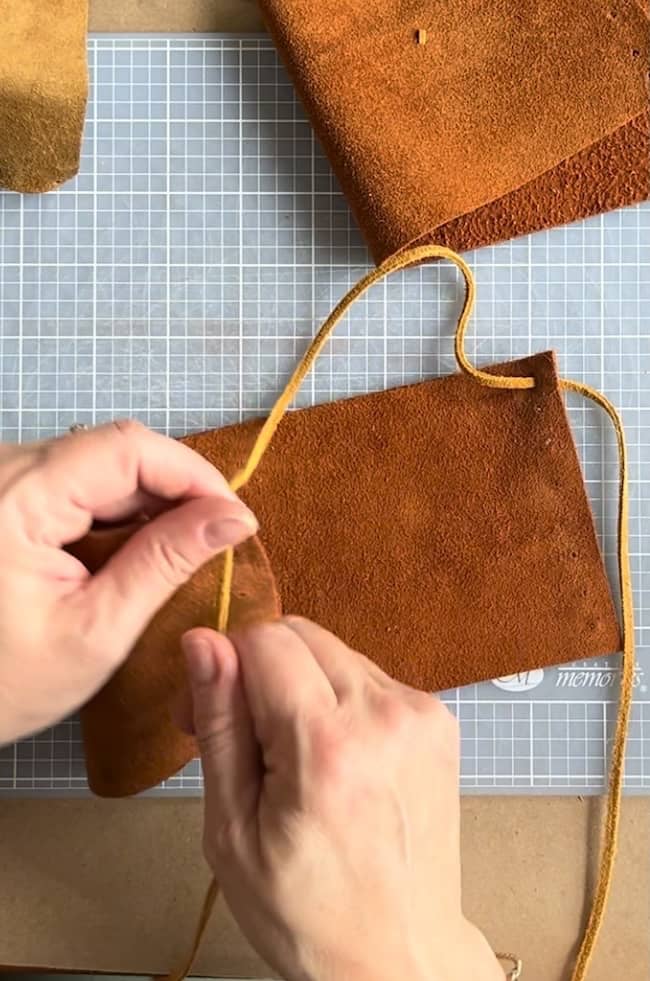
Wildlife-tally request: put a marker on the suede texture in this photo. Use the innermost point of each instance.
(442, 529)
(130, 740)
(43, 92)
(613, 173)
(511, 118)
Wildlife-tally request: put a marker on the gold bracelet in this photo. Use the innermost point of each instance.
(517, 966)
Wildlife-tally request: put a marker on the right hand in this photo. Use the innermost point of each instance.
(331, 809)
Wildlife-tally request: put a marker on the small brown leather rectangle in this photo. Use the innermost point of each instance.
(443, 529)
(513, 117)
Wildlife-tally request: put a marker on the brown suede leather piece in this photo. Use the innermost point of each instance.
(613, 173)
(443, 528)
(512, 118)
(43, 90)
(130, 740)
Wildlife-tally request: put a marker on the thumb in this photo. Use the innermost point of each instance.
(120, 600)
(223, 727)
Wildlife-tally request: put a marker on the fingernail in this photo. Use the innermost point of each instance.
(199, 657)
(230, 531)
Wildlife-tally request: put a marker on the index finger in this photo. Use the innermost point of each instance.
(85, 475)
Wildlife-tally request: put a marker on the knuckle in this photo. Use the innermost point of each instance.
(51, 449)
(392, 711)
(261, 635)
(293, 620)
(267, 632)
(214, 735)
(435, 715)
(327, 750)
(127, 428)
(126, 434)
(424, 703)
(172, 563)
(220, 838)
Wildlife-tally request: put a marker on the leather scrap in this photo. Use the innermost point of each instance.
(442, 529)
(43, 92)
(509, 119)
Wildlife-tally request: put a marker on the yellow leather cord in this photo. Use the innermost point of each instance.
(208, 905)
(410, 257)
(413, 257)
(617, 763)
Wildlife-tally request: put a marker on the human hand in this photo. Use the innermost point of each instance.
(331, 809)
(62, 631)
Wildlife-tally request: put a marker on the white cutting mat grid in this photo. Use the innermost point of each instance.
(177, 278)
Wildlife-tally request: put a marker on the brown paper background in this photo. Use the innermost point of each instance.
(174, 15)
(115, 886)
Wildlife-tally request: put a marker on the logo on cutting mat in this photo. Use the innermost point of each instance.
(520, 682)
(596, 676)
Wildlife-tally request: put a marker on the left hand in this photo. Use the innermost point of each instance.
(63, 632)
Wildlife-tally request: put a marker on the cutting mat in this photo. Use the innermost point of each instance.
(177, 279)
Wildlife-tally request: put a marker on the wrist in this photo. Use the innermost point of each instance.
(477, 959)
(470, 956)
